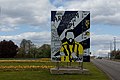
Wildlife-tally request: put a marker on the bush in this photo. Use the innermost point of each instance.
(117, 57)
(8, 49)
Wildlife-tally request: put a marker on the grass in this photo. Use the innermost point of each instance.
(44, 74)
(117, 60)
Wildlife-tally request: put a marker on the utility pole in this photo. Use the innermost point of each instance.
(0, 11)
(110, 46)
(114, 43)
(115, 47)
(110, 55)
(0, 14)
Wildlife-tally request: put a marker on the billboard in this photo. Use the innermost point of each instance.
(70, 35)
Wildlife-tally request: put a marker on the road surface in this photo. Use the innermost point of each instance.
(112, 68)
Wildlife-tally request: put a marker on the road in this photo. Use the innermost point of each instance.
(112, 68)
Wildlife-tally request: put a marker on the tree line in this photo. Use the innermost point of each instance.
(115, 54)
(8, 49)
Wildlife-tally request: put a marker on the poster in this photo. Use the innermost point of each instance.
(70, 35)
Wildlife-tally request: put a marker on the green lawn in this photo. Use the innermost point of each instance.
(44, 74)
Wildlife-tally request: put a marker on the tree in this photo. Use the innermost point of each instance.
(44, 51)
(115, 54)
(25, 47)
(34, 51)
(8, 49)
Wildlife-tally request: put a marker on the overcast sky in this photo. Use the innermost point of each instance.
(30, 19)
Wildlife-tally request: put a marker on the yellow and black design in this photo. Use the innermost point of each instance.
(87, 23)
(87, 33)
(71, 52)
(70, 40)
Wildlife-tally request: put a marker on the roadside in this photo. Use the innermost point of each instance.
(110, 78)
(111, 68)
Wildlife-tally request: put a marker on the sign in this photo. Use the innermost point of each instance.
(70, 35)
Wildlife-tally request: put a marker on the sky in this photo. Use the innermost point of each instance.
(30, 19)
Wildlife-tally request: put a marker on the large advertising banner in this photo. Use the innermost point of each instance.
(70, 35)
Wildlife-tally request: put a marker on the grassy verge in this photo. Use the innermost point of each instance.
(118, 60)
(44, 74)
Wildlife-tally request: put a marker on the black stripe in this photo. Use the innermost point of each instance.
(63, 40)
(57, 54)
(85, 43)
(77, 50)
(68, 48)
(81, 27)
(73, 47)
(64, 58)
(66, 18)
(65, 51)
(53, 13)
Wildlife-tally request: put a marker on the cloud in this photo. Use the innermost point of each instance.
(9, 24)
(100, 52)
(102, 43)
(102, 11)
(98, 39)
(103, 40)
(6, 29)
(28, 12)
(38, 38)
(37, 13)
(57, 3)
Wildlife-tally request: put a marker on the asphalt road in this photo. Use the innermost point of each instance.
(111, 68)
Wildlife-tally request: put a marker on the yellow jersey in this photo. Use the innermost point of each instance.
(68, 49)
